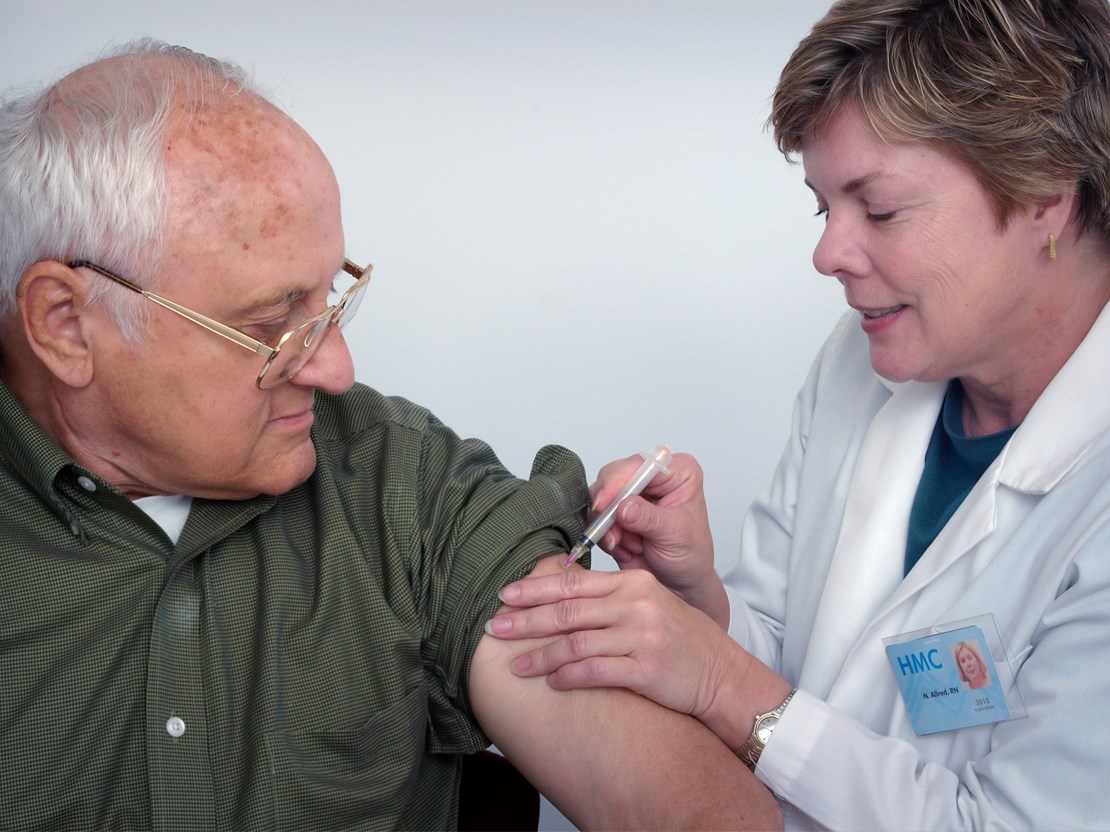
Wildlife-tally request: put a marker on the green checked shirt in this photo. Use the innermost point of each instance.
(294, 662)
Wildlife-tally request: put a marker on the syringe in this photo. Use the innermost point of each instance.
(655, 461)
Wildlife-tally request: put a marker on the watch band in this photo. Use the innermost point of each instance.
(765, 725)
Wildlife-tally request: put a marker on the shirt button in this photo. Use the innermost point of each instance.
(175, 726)
(86, 483)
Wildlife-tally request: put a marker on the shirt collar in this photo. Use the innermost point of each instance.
(34, 457)
(29, 452)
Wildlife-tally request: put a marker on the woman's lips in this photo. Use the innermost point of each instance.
(878, 313)
(875, 320)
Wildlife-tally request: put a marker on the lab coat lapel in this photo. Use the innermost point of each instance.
(867, 564)
(975, 518)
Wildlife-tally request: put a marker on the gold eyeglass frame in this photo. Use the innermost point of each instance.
(332, 314)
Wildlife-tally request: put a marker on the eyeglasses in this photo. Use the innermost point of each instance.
(293, 349)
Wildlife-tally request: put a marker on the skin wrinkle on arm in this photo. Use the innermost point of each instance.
(609, 758)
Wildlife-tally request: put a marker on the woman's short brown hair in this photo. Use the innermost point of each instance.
(1018, 90)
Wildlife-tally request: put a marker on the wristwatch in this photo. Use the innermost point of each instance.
(765, 725)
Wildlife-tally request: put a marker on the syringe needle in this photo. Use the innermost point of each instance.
(654, 462)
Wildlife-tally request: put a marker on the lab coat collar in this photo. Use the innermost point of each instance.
(1067, 419)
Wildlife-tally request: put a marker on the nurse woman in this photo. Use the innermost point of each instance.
(948, 459)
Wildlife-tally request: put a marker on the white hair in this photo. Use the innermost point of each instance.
(82, 172)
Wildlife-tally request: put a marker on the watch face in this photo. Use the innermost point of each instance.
(766, 726)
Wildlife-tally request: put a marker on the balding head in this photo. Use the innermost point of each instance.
(239, 172)
(82, 160)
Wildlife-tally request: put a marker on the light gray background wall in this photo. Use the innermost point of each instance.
(581, 232)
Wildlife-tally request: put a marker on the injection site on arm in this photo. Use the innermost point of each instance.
(655, 461)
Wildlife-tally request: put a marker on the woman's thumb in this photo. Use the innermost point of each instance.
(638, 515)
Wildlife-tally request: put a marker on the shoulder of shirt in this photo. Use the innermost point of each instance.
(361, 408)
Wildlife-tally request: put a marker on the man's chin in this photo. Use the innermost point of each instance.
(289, 471)
(296, 473)
(285, 473)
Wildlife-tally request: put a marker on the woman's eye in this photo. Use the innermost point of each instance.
(880, 217)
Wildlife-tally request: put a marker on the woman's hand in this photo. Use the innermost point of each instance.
(657, 627)
(665, 530)
(619, 629)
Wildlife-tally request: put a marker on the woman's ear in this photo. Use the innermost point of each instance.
(1051, 215)
(50, 299)
(1049, 221)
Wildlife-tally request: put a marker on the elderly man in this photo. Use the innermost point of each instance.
(240, 590)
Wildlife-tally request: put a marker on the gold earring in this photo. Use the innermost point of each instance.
(1051, 246)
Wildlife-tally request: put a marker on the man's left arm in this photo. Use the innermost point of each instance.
(609, 758)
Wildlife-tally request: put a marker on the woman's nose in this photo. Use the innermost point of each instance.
(838, 253)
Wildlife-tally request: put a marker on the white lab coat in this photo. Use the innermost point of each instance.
(820, 583)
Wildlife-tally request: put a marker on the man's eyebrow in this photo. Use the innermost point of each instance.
(281, 299)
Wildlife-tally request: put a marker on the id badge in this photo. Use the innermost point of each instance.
(949, 679)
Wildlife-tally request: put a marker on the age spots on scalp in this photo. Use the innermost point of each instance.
(274, 222)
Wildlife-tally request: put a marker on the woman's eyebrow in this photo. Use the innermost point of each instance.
(851, 186)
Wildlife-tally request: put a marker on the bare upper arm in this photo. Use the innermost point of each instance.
(609, 758)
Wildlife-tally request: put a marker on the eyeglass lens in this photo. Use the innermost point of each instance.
(302, 343)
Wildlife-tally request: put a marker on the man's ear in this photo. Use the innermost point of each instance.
(52, 310)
